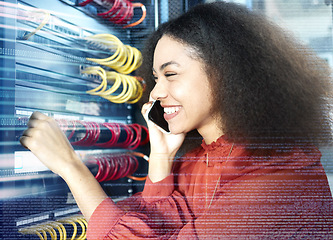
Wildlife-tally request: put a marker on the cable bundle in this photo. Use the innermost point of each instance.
(59, 228)
(121, 12)
(132, 87)
(115, 166)
(106, 135)
(124, 60)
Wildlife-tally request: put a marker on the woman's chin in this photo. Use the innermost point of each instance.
(175, 130)
(172, 130)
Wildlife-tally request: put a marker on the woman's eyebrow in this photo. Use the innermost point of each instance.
(164, 65)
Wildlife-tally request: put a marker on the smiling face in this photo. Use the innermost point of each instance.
(182, 87)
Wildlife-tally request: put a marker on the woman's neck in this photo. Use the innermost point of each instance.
(211, 135)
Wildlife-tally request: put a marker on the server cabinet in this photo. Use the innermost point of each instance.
(46, 66)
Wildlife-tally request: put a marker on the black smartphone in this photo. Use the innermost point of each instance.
(155, 114)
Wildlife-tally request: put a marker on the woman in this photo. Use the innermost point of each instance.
(234, 81)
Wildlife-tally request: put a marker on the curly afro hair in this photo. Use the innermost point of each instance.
(267, 87)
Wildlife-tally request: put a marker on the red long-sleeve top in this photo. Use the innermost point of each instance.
(227, 191)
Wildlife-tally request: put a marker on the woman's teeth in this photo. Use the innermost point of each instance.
(170, 110)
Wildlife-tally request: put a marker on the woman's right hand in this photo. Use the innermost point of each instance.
(48, 143)
(163, 148)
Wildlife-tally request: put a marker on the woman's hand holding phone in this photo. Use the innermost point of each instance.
(163, 145)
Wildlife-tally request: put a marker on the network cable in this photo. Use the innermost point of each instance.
(121, 11)
(125, 58)
(132, 87)
(57, 229)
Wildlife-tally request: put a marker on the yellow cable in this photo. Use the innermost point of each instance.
(86, 224)
(101, 72)
(42, 24)
(116, 79)
(137, 59)
(136, 63)
(40, 235)
(137, 97)
(125, 92)
(123, 96)
(137, 90)
(125, 60)
(83, 234)
(110, 43)
(26, 231)
(131, 92)
(73, 224)
(120, 60)
(129, 59)
(55, 226)
(134, 60)
(104, 39)
(39, 229)
(49, 227)
(97, 71)
(61, 229)
(113, 58)
(113, 40)
(44, 233)
(51, 231)
(64, 231)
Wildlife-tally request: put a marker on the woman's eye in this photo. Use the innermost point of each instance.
(170, 74)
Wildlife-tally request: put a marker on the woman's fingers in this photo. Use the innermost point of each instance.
(27, 137)
(38, 115)
(31, 137)
(37, 122)
(145, 108)
(24, 139)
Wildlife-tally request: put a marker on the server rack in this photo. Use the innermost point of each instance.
(43, 55)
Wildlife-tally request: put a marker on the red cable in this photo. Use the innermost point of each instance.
(137, 137)
(125, 12)
(112, 10)
(84, 3)
(129, 165)
(144, 13)
(146, 140)
(122, 167)
(114, 166)
(107, 169)
(97, 133)
(113, 138)
(134, 164)
(115, 169)
(129, 136)
(129, 15)
(100, 170)
(138, 154)
(118, 12)
(82, 140)
(73, 131)
(88, 140)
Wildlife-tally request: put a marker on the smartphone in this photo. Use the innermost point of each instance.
(155, 114)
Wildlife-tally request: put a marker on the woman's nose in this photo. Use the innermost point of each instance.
(159, 91)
